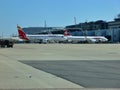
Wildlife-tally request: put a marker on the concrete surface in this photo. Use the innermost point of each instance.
(14, 74)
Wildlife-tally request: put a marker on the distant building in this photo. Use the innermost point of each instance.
(114, 24)
(41, 30)
(97, 25)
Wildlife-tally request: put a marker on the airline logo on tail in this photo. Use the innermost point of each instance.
(66, 33)
(21, 33)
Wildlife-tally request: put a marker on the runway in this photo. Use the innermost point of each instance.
(17, 75)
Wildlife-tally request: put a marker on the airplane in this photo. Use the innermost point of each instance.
(66, 38)
(89, 39)
(41, 38)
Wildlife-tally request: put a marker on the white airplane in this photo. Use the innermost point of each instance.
(60, 37)
(89, 39)
(40, 37)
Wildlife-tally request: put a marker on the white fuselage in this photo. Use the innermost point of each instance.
(47, 37)
(60, 37)
(86, 38)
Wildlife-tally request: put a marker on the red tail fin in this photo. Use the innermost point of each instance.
(21, 33)
(66, 33)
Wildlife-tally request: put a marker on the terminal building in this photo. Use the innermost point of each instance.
(114, 24)
(100, 24)
(110, 30)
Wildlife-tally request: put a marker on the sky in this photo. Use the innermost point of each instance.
(56, 13)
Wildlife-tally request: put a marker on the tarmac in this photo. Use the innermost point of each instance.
(17, 75)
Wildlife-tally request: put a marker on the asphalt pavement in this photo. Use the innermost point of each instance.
(89, 74)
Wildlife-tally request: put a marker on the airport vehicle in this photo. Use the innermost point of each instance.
(85, 39)
(41, 38)
(6, 43)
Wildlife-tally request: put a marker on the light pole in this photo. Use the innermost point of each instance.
(75, 20)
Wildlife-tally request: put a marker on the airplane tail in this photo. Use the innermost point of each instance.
(21, 33)
(66, 33)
